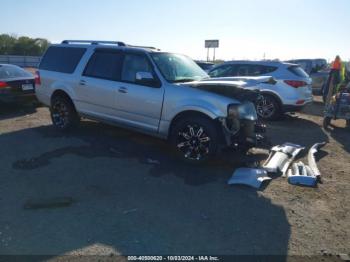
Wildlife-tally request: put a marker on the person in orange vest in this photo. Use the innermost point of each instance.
(335, 74)
(335, 70)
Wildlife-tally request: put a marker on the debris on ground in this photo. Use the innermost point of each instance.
(306, 175)
(312, 160)
(281, 157)
(300, 174)
(253, 177)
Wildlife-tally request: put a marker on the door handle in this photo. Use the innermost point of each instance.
(123, 90)
(82, 82)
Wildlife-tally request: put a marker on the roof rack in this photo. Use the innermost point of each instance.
(93, 42)
(147, 47)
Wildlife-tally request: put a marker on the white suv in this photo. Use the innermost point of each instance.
(291, 91)
(149, 91)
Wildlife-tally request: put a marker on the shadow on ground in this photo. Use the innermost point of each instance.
(12, 110)
(342, 136)
(130, 196)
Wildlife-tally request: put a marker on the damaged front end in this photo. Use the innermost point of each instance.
(241, 127)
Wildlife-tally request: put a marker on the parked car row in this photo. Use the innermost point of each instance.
(318, 71)
(161, 94)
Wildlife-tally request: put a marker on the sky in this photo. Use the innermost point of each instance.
(247, 29)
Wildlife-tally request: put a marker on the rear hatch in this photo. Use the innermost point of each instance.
(301, 82)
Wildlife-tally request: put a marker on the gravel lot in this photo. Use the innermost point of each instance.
(125, 193)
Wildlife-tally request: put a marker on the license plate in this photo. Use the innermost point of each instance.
(26, 87)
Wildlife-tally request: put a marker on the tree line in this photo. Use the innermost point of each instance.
(23, 45)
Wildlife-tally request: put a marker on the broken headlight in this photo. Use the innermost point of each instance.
(245, 111)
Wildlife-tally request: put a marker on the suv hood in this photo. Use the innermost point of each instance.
(239, 89)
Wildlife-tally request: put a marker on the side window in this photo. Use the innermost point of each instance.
(134, 63)
(61, 59)
(223, 71)
(243, 70)
(255, 70)
(104, 65)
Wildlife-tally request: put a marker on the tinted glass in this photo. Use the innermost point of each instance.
(205, 66)
(133, 64)
(61, 59)
(298, 71)
(257, 70)
(10, 71)
(105, 65)
(223, 71)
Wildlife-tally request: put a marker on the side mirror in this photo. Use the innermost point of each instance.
(146, 78)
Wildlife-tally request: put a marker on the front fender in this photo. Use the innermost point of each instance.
(206, 108)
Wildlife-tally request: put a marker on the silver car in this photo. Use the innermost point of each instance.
(153, 92)
(291, 90)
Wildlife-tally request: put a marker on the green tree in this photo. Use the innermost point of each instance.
(10, 45)
(6, 44)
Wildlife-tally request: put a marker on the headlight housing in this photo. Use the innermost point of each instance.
(245, 111)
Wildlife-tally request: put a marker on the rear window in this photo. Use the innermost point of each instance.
(298, 71)
(9, 71)
(62, 59)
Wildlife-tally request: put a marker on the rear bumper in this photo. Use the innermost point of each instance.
(295, 108)
(9, 97)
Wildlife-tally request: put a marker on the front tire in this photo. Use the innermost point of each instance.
(195, 138)
(63, 113)
(268, 108)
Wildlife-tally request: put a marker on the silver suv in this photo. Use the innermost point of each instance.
(290, 92)
(149, 91)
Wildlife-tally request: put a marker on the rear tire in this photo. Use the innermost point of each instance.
(268, 108)
(195, 139)
(63, 113)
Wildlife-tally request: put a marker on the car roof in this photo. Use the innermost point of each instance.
(105, 44)
(260, 62)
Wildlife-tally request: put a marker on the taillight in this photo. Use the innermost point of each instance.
(37, 78)
(295, 83)
(3, 84)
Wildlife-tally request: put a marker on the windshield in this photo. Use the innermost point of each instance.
(178, 68)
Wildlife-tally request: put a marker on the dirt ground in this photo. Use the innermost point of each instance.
(124, 193)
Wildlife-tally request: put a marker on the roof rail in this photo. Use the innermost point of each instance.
(93, 42)
(147, 47)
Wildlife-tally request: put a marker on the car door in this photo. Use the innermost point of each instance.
(96, 90)
(139, 105)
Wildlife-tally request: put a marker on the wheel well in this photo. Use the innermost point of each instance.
(188, 114)
(62, 94)
(276, 97)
